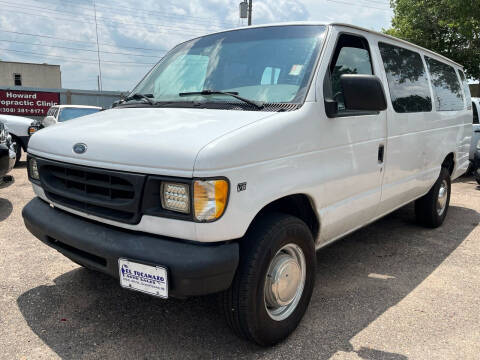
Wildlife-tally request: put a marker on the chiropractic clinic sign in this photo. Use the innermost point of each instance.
(27, 103)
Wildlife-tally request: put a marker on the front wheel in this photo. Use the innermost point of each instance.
(477, 175)
(432, 208)
(274, 281)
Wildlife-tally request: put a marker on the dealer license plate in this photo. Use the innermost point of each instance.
(148, 279)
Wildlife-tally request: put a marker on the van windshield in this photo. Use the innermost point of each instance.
(72, 113)
(271, 64)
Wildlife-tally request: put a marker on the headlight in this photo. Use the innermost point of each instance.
(478, 144)
(34, 127)
(32, 130)
(175, 197)
(32, 166)
(210, 199)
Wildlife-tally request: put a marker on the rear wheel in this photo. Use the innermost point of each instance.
(432, 208)
(274, 281)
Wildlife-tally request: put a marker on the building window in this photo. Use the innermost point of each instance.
(17, 79)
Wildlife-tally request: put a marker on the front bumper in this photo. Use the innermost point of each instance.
(193, 269)
(7, 159)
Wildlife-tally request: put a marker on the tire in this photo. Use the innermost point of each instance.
(275, 236)
(477, 175)
(428, 209)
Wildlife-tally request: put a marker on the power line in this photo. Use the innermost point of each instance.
(77, 49)
(81, 60)
(104, 18)
(79, 41)
(168, 15)
(86, 17)
(379, 2)
(357, 4)
(169, 28)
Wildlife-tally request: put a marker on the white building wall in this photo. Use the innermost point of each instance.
(33, 75)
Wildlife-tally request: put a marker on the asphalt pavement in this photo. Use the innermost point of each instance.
(392, 290)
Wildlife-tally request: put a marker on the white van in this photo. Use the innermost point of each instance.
(241, 153)
(475, 143)
(61, 113)
(20, 129)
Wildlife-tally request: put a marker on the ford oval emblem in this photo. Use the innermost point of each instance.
(79, 148)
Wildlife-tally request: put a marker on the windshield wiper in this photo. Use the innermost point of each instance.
(138, 96)
(257, 104)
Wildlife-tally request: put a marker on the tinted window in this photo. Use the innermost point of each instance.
(407, 79)
(446, 87)
(72, 113)
(466, 88)
(351, 56)
(475, 113)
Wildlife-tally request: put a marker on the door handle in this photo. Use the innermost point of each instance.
(381, 153)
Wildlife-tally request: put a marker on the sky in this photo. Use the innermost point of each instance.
(134, 35)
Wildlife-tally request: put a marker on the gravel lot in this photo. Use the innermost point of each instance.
(392, 290)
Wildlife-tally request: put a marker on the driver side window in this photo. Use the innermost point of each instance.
(351, 56)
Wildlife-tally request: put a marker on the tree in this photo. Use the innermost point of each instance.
(448, 27)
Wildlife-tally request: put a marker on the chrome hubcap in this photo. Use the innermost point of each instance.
(442, 197)
(284, 282)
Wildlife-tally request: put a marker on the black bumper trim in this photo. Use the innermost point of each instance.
(193, 269)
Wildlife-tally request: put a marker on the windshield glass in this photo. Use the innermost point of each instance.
(72, 113)
(271, 64)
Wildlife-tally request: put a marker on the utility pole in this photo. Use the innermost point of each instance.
(98, 50)
(249, 12)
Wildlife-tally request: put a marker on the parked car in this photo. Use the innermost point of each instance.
(7, 155)
(476, 164)
(474, 145)
(21, 129)
(252, 148)
(61, 113)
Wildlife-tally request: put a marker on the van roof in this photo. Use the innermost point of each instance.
(344, 25)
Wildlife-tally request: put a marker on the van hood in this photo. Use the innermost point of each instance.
(17, 125)
(164, 141)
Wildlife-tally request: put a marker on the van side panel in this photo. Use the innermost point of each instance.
(417, 144)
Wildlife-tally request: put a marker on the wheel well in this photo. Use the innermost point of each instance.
(298, 205)
(18, 141)
(449, 163)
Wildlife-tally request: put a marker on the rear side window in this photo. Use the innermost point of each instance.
(475, 113)
(407, 79)
(351, 56)
(446, 87)
(466, 88)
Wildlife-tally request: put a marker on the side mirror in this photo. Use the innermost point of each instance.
(363, 92)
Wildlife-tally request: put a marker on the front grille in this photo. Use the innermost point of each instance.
(109, 194)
